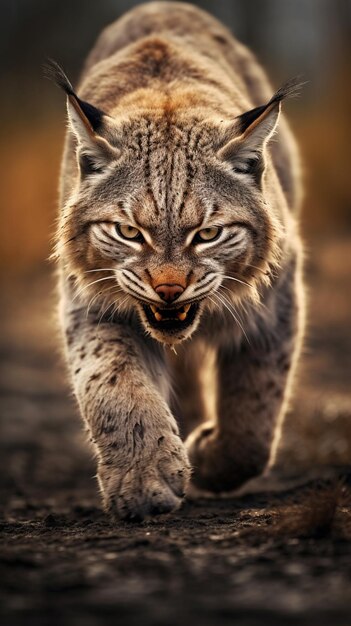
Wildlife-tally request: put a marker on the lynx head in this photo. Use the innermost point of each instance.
(169, 217)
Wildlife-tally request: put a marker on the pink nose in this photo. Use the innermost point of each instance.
(169, 292)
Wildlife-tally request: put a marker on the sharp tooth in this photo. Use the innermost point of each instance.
(156, 312)
(186, 307)
(181, 316)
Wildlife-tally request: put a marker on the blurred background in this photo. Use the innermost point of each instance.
(310, 38)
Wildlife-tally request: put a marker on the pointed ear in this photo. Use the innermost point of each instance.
(88, 124)
(252, 131)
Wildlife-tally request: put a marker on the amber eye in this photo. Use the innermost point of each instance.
(129, 232)
(207, 234)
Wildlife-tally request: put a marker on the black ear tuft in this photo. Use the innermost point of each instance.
(290, 89)
(92, 114)
(54, 72)
(246, 119)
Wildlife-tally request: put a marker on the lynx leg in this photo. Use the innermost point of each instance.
(142, 464)
(253, 390)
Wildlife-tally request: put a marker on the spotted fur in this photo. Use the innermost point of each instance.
(170, 140)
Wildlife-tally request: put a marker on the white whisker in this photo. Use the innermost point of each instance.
(103, 292)
(117, 306)
(104, 312)
(229, 308)
(254, 266)
(237, 280)
(214, 302)
(90, 284)
(101, 269)
(230, 302)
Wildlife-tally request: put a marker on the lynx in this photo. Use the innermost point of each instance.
(179, 256)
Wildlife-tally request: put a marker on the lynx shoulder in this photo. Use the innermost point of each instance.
(178, 230)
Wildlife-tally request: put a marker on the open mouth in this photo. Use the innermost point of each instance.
(171, 320)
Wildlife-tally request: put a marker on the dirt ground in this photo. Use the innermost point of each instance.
(279, 554)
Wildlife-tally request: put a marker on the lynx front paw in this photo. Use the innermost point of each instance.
(154, 483)
(220, 461)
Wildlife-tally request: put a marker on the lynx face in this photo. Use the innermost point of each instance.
(169, 216)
